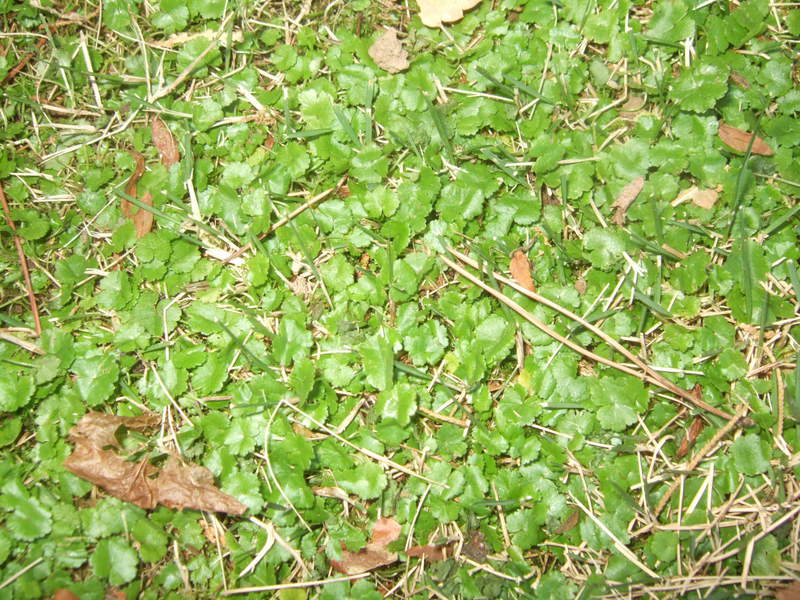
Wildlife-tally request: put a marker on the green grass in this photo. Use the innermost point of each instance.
(339, 372)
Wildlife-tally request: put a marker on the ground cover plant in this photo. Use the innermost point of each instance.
(341, 299)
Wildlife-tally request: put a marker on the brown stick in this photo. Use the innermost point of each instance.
(648, 375)
(23, 263)
(701, 454)
(22, 62)
(280, 223)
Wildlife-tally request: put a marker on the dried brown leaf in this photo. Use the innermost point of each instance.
(435, 12)
(331, 492)
(703, 198)
(388, 52)
(739, 140)
(143, 219)
(520, 268)
(634, 103)
(432, 552)
(695, 429)
(475, 548)
(114, 593)
(130, 187)
(569, 523)
(141, 483)
(192, 486)
(129, 481)
(739, 80)
(374, 554)
(790, 592)
(101, 429)
(165, 143)
(64, 594)
(625, 199)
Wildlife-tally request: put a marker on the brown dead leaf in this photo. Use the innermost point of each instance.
(705, 198)
(695, 429)
(304, 431)
(580, 285)
(64, 594)
(634, 103)
(374, 554)
(435, 12)
(141, 483)
(739, 80)
(114, 593)
(475, 548)
(101, 429)
(702, 198)
(432, 552)
(790, 592)
(331, 492)
(520, 268)
(165, 143)
(388, 52)
(130, 187)
(625, 199)
(143, 219)
(569, 523)
(739, 140)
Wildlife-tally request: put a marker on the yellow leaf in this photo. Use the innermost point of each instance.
(435, 12)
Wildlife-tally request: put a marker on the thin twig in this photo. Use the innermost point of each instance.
(212, 44)
(701, 454)
(29, 346)
(366, 451)
(20, 573)
(648, 374)
(280, 223)
(621, 548)
(23, 263)
(288, 586)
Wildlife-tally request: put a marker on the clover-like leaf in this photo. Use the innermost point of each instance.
(698, 88)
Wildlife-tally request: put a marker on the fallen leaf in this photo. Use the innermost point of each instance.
(331, 492)
(143, 219)
(175, 485)
(435, 12)
(475, 548)
(739, 140)
(165, 143)
(432, 552)
(388, 52)
(695, 429)
(102, 429)
(625, 199)
(114, 593)
(702, 198)
(130, 187)
(569, 523)
(374, 554)
(580, 285)
(634, 103)
(739, 80)
(64, 594)
(790, 592)
(520, 268)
